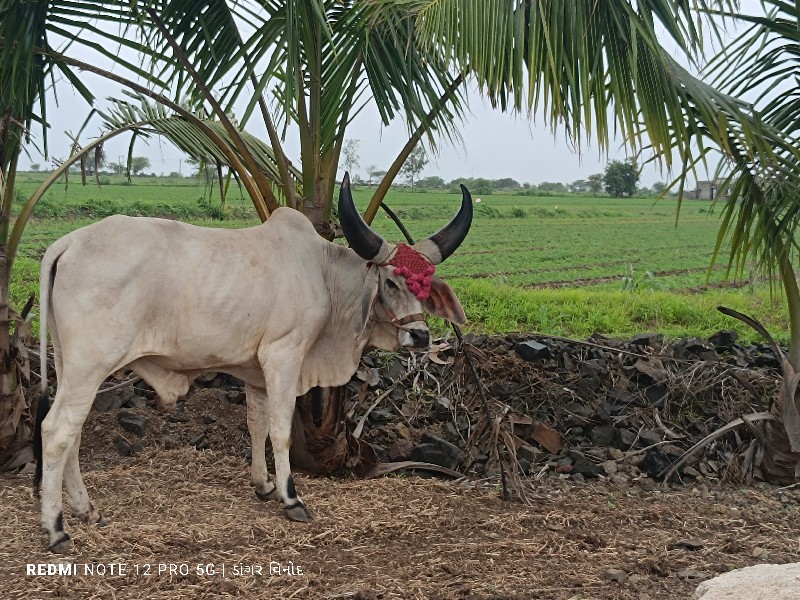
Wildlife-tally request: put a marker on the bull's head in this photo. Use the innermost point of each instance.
(402, 285)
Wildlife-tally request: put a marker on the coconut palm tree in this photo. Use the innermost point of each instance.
(762, 209)
(591, 68)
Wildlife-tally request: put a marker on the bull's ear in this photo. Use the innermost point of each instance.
(442, 302)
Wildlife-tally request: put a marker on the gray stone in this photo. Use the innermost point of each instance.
(615, 454)
(132, 422)
(113, 400)
(178, 415)
(602, 435)
(199, 441)
(434, 449)
(689, 544)
(371, 376)
(655, 394)
(169, 441)
(401, 450)
(610, 467)
(691, 348)
(442, 403)
(205, 378)
(578, 414)
(125, 448)
(592, 367)
(588, 385)
(136, 402)
(216, 394)
(531, 454)
(503, 389)
(724, 339)
(452, 432)
(564, 462)
(615, 575)
(531, 350)
(649, 437)
(380, 416)
(396, 369)
(655, 463)
(235, 396)
(475, 340)
(620, 397)
(624, 438)
(584, 466)
(692, 472)
(652, 369)
(654, 340)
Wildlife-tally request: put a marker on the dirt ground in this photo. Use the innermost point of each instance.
(193, 512)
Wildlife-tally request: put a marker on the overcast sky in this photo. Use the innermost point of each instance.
(494, 144)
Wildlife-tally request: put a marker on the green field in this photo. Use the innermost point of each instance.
(571, 265)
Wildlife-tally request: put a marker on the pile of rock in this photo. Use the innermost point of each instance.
(623, 410)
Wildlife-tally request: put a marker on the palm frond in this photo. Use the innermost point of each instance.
(148, 118)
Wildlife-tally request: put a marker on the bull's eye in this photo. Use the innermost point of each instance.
(391, 284)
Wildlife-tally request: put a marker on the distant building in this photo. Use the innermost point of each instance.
(708, 190)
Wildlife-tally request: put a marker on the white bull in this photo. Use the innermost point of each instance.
(274, 305)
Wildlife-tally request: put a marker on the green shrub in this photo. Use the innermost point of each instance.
(488, 212)
(211, 209)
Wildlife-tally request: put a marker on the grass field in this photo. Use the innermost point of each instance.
(569, 265)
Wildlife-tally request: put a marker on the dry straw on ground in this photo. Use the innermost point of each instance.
(397, 537)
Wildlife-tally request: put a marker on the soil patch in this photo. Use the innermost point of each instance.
(396, 537)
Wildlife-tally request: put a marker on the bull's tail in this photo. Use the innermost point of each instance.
(46, 278)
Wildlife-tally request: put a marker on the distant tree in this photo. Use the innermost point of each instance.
(658, 188)
(621, 178)
(506, 184)
(595, 183)
(350, 158)
(434, 182)
(414, 164)
(477, 185)
(375, 173)
(204, 170)
(579, 186)
(139, 164)
(175, 175)
(552, 186)
(35, 167)
(117, 168)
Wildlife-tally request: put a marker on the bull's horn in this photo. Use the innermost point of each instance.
(366, 243)
(445, 241)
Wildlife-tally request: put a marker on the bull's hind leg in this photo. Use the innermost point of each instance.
(77, 496)
(258, 425)
(281, 377)
(60, 436)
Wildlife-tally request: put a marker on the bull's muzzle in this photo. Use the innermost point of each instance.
(420, 338)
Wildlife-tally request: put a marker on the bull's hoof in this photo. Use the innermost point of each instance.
(62, 545)
(298, 513)
(91, 518)
(267, 496)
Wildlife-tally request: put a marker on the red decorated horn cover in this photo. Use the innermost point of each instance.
(415, 268)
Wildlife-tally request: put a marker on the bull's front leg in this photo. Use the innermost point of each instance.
(281, 375)
(258, 425)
